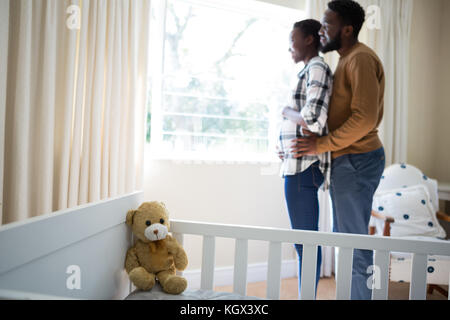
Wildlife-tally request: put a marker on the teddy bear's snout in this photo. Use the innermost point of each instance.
(156, 232)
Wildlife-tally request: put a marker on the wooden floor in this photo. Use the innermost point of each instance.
(326, 290)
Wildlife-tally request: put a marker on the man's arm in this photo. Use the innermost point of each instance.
(364, 106)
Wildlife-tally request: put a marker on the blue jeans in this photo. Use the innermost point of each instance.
(303, 207)
(354, 180)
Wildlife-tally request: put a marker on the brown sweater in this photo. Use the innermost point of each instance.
(356, 106)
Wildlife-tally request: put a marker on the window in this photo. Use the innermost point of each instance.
(220, 71)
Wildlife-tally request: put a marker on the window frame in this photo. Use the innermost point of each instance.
(154, 148)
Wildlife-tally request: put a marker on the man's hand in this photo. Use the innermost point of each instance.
(305, 146)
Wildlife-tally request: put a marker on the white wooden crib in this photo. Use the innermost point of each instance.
(41, 257)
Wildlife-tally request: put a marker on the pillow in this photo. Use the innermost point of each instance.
(412, 210)
(405, 175)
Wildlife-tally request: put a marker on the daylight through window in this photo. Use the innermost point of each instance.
(224, 74)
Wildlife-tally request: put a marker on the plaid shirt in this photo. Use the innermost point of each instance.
(311, 98)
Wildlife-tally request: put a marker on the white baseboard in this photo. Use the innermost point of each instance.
(256, 272)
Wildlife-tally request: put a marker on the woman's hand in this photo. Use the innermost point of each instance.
(280, 153)
(304, 125)
(285, 110)
(295, 116)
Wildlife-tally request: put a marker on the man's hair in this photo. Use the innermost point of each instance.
(350, 12)
(310, 27)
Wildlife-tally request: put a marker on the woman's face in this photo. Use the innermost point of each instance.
(298, 45)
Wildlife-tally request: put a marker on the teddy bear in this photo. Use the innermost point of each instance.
(155, 255)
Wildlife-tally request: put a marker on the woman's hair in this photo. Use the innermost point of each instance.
(310, 27)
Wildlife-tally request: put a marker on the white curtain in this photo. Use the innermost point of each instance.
(4, 22)
(387, 31)
(75, 103)
(326, 225)
(392, 43)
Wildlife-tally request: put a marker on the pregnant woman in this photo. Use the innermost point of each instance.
(307, 114)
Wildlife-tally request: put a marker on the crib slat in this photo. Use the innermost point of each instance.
(418, 285)
(274, 271)
(240, 267)
(344, 274)
(309, 265)
(208, 260)
(381, 275)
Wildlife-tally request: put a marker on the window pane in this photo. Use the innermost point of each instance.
(195, 85)
(224, 44)
(220, 126)
(214, 107)
(222, 145)
(225, 72)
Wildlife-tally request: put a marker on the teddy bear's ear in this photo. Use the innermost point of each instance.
(130, 216)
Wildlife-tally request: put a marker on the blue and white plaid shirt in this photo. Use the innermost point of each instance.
(311, 98)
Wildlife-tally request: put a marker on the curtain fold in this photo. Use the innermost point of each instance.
(315, 10)
(75, 103)
(391, 41)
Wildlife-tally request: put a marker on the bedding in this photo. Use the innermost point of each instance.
(156, 293)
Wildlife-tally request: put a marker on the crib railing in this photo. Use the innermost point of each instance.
(382, 246)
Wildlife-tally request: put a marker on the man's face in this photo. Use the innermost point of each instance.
(297, 45)
(330, 33)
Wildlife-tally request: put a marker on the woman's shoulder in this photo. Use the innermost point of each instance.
(317, 65)
(318, 62)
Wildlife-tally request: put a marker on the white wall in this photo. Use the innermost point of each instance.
(429, 110)
(442, 148)
(424, 89)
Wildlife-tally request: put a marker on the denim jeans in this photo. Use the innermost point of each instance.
(303, 207)
(354, 180)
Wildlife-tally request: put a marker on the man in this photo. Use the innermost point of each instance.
(355, 112)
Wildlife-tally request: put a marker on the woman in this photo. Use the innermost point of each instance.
(308, 114)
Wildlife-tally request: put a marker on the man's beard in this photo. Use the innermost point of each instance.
(334, 44)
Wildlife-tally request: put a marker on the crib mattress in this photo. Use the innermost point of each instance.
(156, 293)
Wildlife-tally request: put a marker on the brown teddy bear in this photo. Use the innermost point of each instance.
(155, 254)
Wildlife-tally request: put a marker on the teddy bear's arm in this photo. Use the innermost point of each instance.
(131, 260)
(179, 255)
